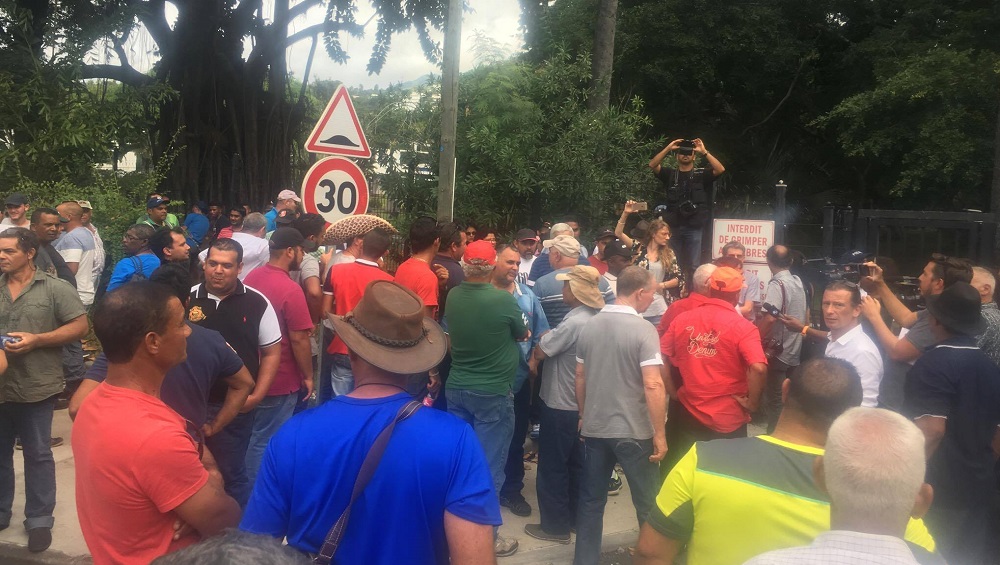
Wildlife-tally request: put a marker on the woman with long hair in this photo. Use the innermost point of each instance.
(654, 254)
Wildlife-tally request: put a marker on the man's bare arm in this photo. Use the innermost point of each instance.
(302, 351)
(654, 163)
(933, 428)
(86, 387)
(656, 405)
(469, 543)
(210, 510)
(240, 384)
(270, 357)
(654, 548)
(581, 388)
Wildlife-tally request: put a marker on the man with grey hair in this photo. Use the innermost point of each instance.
(729, 500)
(873, 471)
(485, 324)
(236, 546)
(989, 341)
(564, 253)
(622, 404)
(542, 264)
(697, 298)
(256, 252)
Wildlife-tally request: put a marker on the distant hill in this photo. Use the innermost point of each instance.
(420, 81)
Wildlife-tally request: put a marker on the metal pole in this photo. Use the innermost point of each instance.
(779, 211)
(449, 113)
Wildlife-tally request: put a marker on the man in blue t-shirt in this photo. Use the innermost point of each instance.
(186, 386)
(430, 497)
(139, 259)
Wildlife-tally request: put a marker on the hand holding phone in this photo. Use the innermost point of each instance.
(641, 206)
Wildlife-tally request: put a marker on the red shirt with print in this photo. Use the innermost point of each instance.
(713, 346)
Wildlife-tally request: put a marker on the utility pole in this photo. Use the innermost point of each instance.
(449, 112)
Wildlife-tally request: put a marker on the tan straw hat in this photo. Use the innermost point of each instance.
(583, 281)
(388, 329)
(348, 228)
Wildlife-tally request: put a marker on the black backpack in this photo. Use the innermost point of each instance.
(138, 275)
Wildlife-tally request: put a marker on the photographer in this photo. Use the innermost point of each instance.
(939, 273)
(688, 196)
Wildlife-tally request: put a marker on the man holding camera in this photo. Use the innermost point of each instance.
(688, 197)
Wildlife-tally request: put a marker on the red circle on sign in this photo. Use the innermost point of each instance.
(322, 170)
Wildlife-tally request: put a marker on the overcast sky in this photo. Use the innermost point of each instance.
(496, 19)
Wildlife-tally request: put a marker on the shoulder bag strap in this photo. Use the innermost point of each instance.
(368, 467)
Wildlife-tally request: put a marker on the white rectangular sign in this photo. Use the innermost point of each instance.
(755, 235)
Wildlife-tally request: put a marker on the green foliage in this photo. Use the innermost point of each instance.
(528, 148)
(943, 149)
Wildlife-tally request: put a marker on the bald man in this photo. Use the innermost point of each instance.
(77, 247)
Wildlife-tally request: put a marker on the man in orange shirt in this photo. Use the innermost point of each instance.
(132, 489)
(418, 273)
(343, 289)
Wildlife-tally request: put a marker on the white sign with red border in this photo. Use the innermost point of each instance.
(338, 131)
(335, 188)
(755, 235)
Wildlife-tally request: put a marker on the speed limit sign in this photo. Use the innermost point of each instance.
(335, 188)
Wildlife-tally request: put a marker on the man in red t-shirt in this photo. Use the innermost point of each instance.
(295, 369)
(138, 471)
(698, 297)
(343, 289)
(417, 273)
(722, 366)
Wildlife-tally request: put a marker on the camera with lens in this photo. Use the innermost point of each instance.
(688, 208)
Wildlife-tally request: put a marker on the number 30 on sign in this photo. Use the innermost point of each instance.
(335, 188)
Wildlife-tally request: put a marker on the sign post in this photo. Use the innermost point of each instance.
(755, 235)
(335, 188)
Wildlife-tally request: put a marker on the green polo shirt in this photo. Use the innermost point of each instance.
(484, 323)
(45, 305)
(170, 222)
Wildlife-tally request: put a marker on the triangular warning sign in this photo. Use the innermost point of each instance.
(338, 131)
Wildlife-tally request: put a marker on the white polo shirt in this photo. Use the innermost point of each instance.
(859, 350)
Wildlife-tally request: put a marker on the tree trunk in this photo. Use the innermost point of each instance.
(603, 56)
(231, 124)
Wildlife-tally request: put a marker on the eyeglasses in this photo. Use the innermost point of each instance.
(490, 238)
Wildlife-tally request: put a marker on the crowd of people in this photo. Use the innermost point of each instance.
(250, 380)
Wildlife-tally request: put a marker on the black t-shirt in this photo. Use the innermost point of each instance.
(687, 195)
(957, 381)
(245, 319)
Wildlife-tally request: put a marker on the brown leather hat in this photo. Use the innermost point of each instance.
(389, 330)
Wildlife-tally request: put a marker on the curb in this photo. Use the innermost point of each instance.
(14, 554)
(563, 554)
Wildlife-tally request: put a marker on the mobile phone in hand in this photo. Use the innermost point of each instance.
(641, 206)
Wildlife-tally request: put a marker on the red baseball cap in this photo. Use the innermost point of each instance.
(482, 251)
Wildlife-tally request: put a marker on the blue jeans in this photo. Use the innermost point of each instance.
(229, 447)
(268, 416)
(560, 461)
(492, 419)
(686, 242)
(341, 375)
(513, 472)
(32, 422)
(599, 457)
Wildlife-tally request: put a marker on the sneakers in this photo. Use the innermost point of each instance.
(39, 539)
(535, 428)
(614, 484)
(517, 504)
(505, 547)
(536, 531)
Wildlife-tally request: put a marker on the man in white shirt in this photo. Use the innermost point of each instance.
(873, 470)
(526, 242)
(17, 211)
(76, 245)
(847, 339)
(256, 252)
(100, 255)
